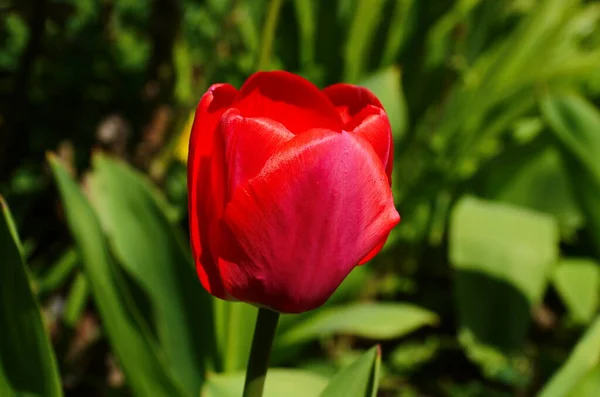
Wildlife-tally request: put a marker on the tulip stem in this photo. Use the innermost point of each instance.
(258, 363)
(268, 34)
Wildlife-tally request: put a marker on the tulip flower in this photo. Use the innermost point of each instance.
(289, 189)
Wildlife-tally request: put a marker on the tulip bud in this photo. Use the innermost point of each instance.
(288, 187)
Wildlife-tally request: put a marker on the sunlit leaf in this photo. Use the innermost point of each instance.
(368, 320)
(502, 257)
(578, 284)
(234, 326)
(580, 375)
(279, 382)
(158, 259)
(139, 355)
(359, 379)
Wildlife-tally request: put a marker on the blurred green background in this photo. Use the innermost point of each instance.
(489, 286)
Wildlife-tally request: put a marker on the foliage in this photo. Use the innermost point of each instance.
(488, 287)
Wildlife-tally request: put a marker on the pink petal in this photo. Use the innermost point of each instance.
(249, 143)
(295, 231)
(205, 182)
(288, 99)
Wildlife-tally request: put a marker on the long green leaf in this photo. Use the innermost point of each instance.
(368, 320)
(579, 376)
(27, 363)
(143, 363)
(365, 21)
(279, 382)
(575, 123)
(403, 20)
(307, 26)
(440, 37)
(541, 48)
(359, 379)
(234, 325)
(155, 254)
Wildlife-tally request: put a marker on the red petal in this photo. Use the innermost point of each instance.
(350, 99)
(372, 124)
(374, 251)
(249, 143)
(288, 99)
(205, 190)
(296, 230)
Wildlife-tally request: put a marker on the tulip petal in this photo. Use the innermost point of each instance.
(372, 124)
(350, 99)
(296, 230)
(364, 114)
(288, 99)
(374, 251)
(205, 186)
(249, 143)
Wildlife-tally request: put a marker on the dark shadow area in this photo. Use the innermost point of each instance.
(495, 311)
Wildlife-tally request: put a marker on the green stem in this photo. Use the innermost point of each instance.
(258, 363)
(268, 34)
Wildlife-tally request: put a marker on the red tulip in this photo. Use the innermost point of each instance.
(289, 189)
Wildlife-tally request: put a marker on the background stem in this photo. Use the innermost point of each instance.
(268, 34)
(258, 363)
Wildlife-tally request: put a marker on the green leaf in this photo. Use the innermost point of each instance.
(580, 375)
(279, 382)
(535, 179)
(155, 254)
(578, 284)
(234, 325)
(410, 356)
(247, 24)
(368, 320)
(305, 16)
(440, 37)
(366, 19)
(541, 48)
(403, 21)
(387, 86)
(76, 301)
(140, 357)
(58, 273)
(502, 257)
(575, 123)
(27, 363)
(359, 379)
